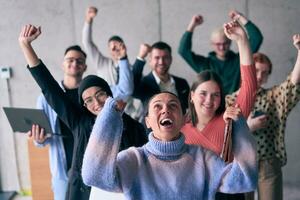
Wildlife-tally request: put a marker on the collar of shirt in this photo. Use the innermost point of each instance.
(158, 81)
(260, 91)
(166, 86)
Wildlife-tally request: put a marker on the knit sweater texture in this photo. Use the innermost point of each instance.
(212, 136)
(165, 170)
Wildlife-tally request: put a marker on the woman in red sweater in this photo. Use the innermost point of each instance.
(207, 101)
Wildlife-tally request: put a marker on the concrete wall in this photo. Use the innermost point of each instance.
(136, 21)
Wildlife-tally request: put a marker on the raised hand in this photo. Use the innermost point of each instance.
(29, 33)
(296, 39)
(195, 21)
(120, 105)
(234, 31)
(232, 112)
(91, 12)
(295, 78)
(237, 16)
(38, 134)
(234, 15)
(144, 50)
(121, 50)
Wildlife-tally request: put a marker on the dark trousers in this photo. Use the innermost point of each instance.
(223, 196)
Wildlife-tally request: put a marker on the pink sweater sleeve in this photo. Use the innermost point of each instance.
(246, 96)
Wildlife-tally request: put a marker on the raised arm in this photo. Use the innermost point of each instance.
(246, 96)
(197, 20)
(144, 51)
(28, 34)
(235, 15)
(53, 93)
(295, 78)
(197, 62)
(138, 66)
(241, 175)
(254, 34)
(99, 166)
(235, 32)
(87, 39)
(124, 87)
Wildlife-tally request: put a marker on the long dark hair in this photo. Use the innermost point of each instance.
(202, 77)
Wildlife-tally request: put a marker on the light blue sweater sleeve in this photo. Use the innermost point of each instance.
(42, 104)
(241, 175)
(124, 88)
(150, 173)
(99, 166)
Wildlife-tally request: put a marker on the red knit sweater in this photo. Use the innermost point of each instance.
(212, 136)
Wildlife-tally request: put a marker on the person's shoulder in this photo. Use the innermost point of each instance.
(230, 98)
(231, 55)
(179, 79)
(128, 120)
(148, 78)
(204, 155)
(195, 149)
(212, 54)
(187, 127)
(149, 75)
(132, 151)
(200, 154)
(131, 154)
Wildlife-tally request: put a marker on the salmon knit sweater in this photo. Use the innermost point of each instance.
(212, 136)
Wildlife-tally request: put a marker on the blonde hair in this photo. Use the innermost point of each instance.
(218, 32)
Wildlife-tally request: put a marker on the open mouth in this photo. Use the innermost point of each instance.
(166, 122)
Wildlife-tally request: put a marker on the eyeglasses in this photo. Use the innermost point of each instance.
(221, 43)
(79, 61)
(98, 96)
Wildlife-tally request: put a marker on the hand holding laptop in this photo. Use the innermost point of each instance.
(25, 120)
(38, 134)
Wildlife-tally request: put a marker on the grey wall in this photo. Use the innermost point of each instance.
(136, 21)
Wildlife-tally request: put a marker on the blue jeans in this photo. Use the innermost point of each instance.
(59, 188)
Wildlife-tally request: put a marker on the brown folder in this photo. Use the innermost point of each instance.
(226, 153)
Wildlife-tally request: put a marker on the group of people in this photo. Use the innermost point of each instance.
(175, 152)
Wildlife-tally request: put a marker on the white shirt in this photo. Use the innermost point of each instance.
(165, 86)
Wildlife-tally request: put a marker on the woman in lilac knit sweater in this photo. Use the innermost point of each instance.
(165, 167)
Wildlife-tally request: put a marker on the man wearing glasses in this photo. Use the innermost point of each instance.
(222, 60)
(61, 148)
